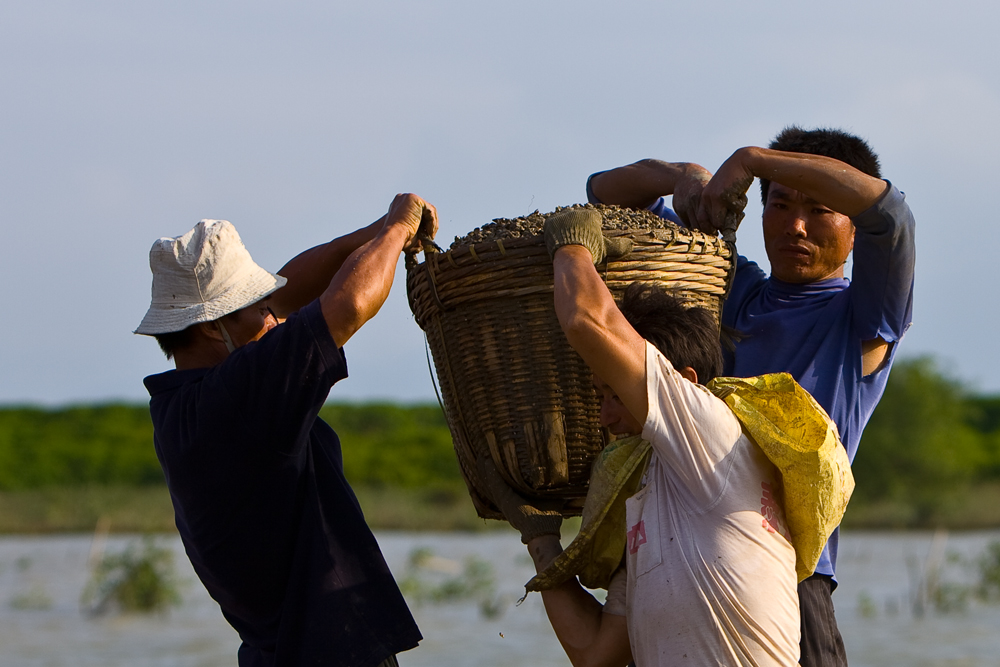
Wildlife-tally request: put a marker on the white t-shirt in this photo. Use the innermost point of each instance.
(711, 575)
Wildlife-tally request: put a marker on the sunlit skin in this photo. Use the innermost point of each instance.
(351, 275)
(249, 324)
(805, 240)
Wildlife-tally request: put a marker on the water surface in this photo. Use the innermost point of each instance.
(884, 605)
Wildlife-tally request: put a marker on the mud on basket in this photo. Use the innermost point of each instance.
(512, 387)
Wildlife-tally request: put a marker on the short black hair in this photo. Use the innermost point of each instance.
(687, 336)
(175, 340)
(828, 142)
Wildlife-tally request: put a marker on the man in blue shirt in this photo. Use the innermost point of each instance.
(823, 197)
(267, 518)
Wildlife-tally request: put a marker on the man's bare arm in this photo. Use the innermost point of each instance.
(829, 181)
(641, 183)
(361, 285)
(597, 330)
(590, 637)
(309, 273)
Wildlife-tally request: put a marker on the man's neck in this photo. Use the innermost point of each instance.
(202, 354)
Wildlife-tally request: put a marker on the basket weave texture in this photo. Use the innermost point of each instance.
(512, 387)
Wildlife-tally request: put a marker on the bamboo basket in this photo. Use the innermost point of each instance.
(512, 387)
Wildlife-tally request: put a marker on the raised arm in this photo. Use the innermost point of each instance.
(361, 284)
(309, 273)
(830, 182)
(640, 184)
(587, 312)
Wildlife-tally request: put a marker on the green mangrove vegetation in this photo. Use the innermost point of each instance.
(929, 457)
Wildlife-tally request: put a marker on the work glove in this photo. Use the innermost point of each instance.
(531, 521)
(582, 226)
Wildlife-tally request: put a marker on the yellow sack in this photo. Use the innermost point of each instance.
(792, 430)
(801, 440)
(597, 551)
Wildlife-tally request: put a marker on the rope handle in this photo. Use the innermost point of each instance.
(427, 244)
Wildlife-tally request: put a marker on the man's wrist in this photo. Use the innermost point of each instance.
(397, 232)
(573, 253)
(544, 549)
(696, 172)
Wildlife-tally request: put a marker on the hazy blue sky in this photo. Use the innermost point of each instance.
(122, 122)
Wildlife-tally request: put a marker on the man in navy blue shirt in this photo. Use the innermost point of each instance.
(267, 518)
(823, 197)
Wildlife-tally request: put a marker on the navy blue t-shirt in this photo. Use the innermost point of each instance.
(814, 331)
(266, 515)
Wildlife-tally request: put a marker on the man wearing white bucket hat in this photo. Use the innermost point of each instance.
(267, 518)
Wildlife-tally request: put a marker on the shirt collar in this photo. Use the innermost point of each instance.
(161, 382)
(799, 290)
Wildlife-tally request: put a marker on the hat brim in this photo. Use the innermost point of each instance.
(165, 318)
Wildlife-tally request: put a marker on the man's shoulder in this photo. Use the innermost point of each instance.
(167, 381)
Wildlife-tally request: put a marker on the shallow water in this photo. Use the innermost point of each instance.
(878, 606)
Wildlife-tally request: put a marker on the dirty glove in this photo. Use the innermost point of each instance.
(582, 226)
(531, 521)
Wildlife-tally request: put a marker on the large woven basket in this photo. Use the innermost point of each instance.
(512, 387)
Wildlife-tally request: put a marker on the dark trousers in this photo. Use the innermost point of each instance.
(821, 644)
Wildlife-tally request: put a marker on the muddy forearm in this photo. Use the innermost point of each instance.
(830, 182)
(309, 273)
(640, 184)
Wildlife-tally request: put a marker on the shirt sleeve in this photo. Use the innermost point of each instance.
(884, 258)
(659, 207)
(617, 590)
(691, 431)
(747, 279)
(280, 382)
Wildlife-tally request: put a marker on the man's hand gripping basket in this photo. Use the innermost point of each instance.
(513, 388)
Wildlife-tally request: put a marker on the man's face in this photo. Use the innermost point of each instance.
(805, 241)
(250, 323)
(614, 416)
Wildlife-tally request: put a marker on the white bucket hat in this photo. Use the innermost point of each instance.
(201, 276)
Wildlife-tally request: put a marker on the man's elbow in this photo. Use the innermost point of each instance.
(579, 326)
(344, 315)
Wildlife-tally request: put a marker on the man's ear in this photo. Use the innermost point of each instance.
(689, 373)
(209, 330)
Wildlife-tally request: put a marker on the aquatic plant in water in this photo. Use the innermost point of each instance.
(431, 578)
(34, 599)
(988, 589)
(139, 579)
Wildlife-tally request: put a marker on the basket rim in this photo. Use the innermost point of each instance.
(698, 243)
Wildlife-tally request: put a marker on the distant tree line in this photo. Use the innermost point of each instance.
(930, 441)
(383, 445)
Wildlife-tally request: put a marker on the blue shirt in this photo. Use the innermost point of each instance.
(266, 515)
(814, 331)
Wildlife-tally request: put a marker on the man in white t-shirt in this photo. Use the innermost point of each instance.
(709, 575)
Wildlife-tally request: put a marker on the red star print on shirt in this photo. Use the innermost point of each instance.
(636, 537)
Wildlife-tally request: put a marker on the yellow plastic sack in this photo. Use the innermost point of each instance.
(802, 441)
(597, 551)
(789, 426)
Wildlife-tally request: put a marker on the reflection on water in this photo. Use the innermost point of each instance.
(900, 601)
(905, 599)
